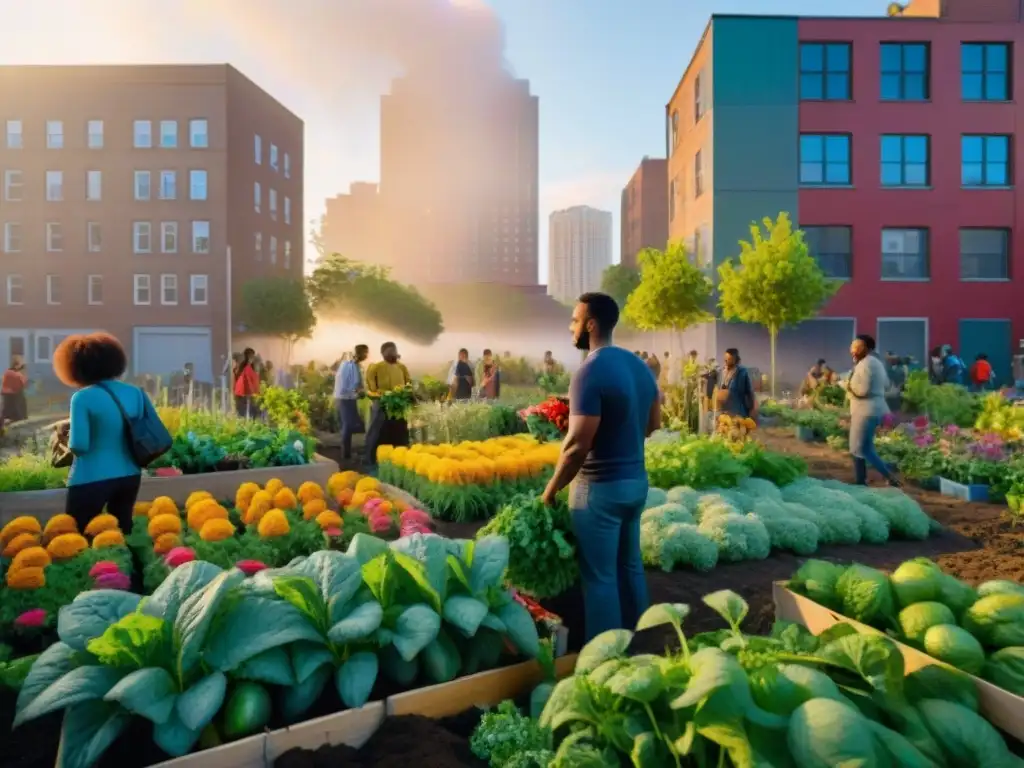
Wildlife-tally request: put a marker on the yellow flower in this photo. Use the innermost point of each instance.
(196, 496)
(273, 524)
(262, 502)
(26, 578)
(309, 491)
(30, 557)
(163, 505)
(101, 523)
(273, 486)
(341, 480)
(20, 542)
(108, 539)
(313, 508)
(329, 519)
(207, 509)
(165, 542)
(59, 524)
(244, 494)
(217, 529)
(141, 508)
(384, 451)
(367, 484)
(23, 524)
(162, 524)
(285, 499)
(66, 546)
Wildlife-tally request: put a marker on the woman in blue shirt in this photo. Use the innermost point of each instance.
(104, 473)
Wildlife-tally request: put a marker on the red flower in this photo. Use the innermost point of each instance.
(34, 618)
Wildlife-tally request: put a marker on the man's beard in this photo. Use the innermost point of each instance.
(582, 341)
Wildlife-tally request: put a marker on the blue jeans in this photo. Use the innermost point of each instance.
(606, 521)
(862, 447)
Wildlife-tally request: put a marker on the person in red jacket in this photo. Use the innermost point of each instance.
(981, 373)
(247, 383)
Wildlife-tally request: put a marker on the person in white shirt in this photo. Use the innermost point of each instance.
(348, 388)
(867, 386)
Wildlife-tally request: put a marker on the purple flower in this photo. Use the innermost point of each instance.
(923, 441)
(952, 430)
(113, 581)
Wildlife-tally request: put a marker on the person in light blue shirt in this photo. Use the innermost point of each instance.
(104, 473)
(348, 388)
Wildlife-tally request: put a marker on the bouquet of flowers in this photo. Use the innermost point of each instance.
(396, 403)
(548, 420)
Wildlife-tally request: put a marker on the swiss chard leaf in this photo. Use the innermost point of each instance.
(254, 625)
(414, 629)
(180, 584)
(464, 613)
(53, 663)
(133, 642)
(197, 706)
(356, 677)
(194, 618)
(89, 615)
(607, 645)
(79, 685)
(174, 737)
(148, 693)
(273, 666)
(359, 624)
(88, 730)
(303, 594)
(307, 658)
(489, 562)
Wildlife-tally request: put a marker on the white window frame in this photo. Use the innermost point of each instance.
(15, 134)
(173, 176)
(287, 166)
(193, 175)
(273, 156)
(259, 246)
(257, 148)
(142, 134)
(42, 358)
(90, 282)
(195, 284)
(196, 236)
(273, 250)
(51, 281)
(168, 228)
(168, 282)
(171, 135)
(94, 134)
(199, 128)
(10, 187)
(90, 227)
(272, 203)
(99, 185)
(287, 210)
(142, 283)
(54, 231)
(15, 282)
(287, 258)
(140, 230)
(9, 229)
(54, 186)
(142, 186)
(55, 134)
(257, 196)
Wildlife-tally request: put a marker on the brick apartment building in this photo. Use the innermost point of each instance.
(891, 142)
(123, 188)
(644, 217)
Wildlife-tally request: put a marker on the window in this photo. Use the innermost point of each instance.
(273, 250)
(672, 200)
(699, 97)
(985, 161)
(674, 129)
(168, 237)
(94, 287)
(15, 289)
(832, 248)
(985, 71)
(54, 134)
(825, 159)
(905, 254)
(287, 254)
(44, 347)
(984, 254)
(197, 185)
(825, 72)
(12, 237)
(287, 166)
(273, 156)
(94, 134)
(905, 161)
(256, 195)
(142, 185)
(259, 246)
(54, 237)
(258, 149)
(143, 134)
(14, 137)
(142, 236)
(143, 294)
(273, 203)
(169, 290)
(54, 186)
(168, 134)
(168, 185)
(94, 234)
(12, 185)
(905, 69)
(287, 210)
(93, 185)
(200, 237)
(53, 289)
(198, 289)
(698, 175)
(198, 134)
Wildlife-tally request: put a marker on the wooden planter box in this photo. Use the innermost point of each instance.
(973, 492)
(1002, 708)
(806, 435)
(45, 504)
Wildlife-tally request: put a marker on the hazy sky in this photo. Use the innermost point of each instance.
(603, 69)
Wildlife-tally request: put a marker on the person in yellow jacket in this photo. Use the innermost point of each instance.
(385, 376)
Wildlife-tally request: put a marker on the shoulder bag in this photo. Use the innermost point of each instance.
(147, 437)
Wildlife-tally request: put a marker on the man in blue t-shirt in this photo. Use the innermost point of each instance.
(613, 407)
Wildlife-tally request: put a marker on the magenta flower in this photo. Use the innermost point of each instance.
(33, 618)
(250, 567)
(332, 532)
(179, 556)
(414, 516)
(113, 581)
(923, 441)
(103, 567)
(921, 422)
(409, 529)
(380, 523)
(952, 430)
(888, 421)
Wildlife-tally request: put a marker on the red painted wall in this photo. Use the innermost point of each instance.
(943, 208)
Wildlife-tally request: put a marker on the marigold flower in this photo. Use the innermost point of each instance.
(163, 505)
(59, 524)
(141, 508)
(358, 501)
(262, 502)
(26, 578)
(313, 508)
(162, 524)
(108, 539)
(344, 497)
(329, 519)
(310, 491)
(207, 509)
(35, 617)
(340, 481)
(179, 556)
(66, 546)
(30, 557)
(101, 523)
(285, 499)
(195, 497)
(250, 567)
(274, 524)
(19, 525)
(244, 494)
(165, 542)
(273, 486)
(368, 484)
(216, 529)
(102, 567)
(18, 543)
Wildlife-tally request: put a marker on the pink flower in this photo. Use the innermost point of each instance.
(410, 528)
(179, 556)
(113, 581)
(250, 567)
(167, 472)
(103, 567)
(888, 421)
(333, 532)
(380, 523)
(921, 422)
(33, 618)
(415, 516)
(370, 507)
(952, 430)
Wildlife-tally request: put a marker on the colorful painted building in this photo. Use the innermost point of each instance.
(891, 142)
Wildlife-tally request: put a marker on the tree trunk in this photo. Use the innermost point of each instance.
(773, 335)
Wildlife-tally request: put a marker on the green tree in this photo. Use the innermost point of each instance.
(618, 281)
(672, 294)
(776, 283)
(276, 306)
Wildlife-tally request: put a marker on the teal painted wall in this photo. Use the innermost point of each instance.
(755, 103)
(994, 338)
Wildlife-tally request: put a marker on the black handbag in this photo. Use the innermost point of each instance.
(148, 438)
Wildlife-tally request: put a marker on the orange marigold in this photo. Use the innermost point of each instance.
(207, 509)
(340, 481)
(244, 494)
(310, 491)
(30, 557)
(196, 496)
(329, 519)
(262, 502)
(162, 524)
(165, 542)
(285, 499)
(273, 524)
(108, 539)
(216, 529)
(313, 508)
(357, 500)
(141, 508)
(368, 484)
(26, 578)
(20, 542)
(66, 546)
(273, 486)
(101, 523)
(59, 524)
(344, 497)
(19, 525)
(163, 505)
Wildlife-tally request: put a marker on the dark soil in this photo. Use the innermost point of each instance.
(34, 744)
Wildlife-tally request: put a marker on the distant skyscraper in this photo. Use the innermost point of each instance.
(645, 210)
(352, 225)
(579, 251)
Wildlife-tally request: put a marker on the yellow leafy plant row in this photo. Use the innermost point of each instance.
(474, 462)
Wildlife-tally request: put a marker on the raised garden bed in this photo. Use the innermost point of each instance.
(973, 492)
